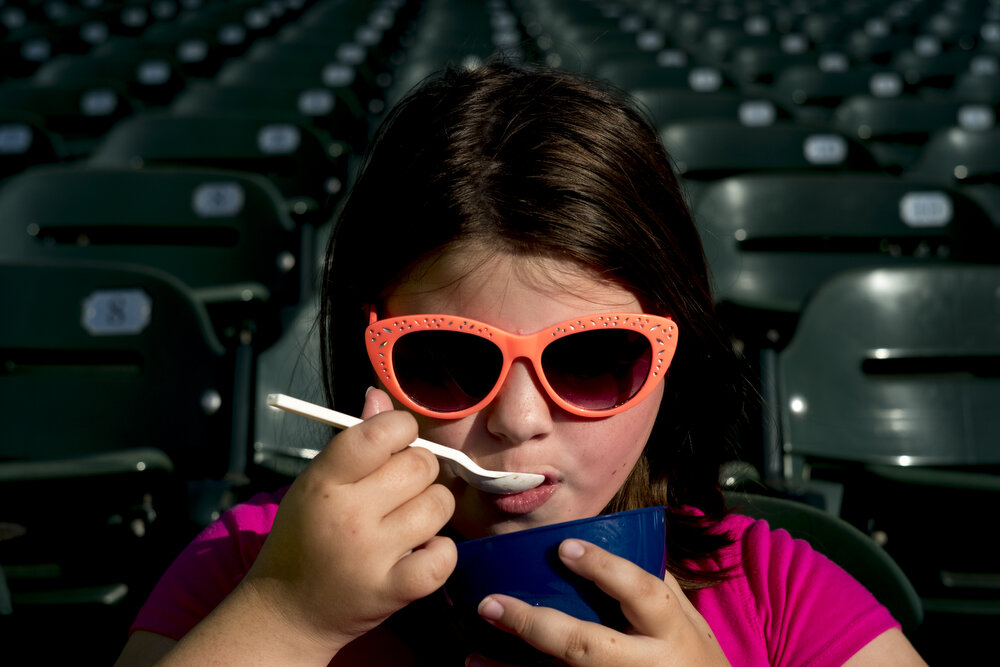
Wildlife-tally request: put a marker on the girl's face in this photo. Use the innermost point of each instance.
(584, 460)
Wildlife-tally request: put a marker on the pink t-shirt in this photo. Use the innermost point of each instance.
(788, 604)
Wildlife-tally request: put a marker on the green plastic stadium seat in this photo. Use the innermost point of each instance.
(273, 145)
(117, 405)
(224, 234)
(845, 545)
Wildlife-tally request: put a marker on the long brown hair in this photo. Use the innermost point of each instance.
(543, 162)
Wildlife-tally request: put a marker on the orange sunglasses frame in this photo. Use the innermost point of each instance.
(381, 337)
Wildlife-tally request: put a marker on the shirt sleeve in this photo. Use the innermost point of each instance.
(208, 569)
(813, 612)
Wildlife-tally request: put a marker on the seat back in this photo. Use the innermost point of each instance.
(226, 235)
(24, 143)
(771, 240)
(277, 147)
(822, 85)
(336, 115)
(974, 153)
(148, 80)
(895, 129)
(845, 545)
(711, 147)
(117, 402)
(100, 357)
(706, 150)
(667, 105)
(79, 114)
(896, 365)
(887, 397)
(967, 158)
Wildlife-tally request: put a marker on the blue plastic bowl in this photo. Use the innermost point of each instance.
(525, 564)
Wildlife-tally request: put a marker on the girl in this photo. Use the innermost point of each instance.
(520, 202)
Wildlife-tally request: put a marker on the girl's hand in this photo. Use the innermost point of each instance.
(354, 539)
(665, 629)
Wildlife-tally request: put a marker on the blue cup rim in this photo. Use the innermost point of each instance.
(564, 524)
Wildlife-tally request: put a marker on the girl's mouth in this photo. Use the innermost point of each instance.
(526, 501)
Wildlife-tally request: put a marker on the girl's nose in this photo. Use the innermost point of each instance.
(521, 410)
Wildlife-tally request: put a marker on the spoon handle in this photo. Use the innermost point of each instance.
(341, 420)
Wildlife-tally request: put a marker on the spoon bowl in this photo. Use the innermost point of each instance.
(491, 481)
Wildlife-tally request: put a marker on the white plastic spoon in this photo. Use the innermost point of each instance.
(491, 481)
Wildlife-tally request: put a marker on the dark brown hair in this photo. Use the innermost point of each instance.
(542, 162)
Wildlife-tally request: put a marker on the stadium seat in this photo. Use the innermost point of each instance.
(455, 34)
(760, 63)
(930, 65)
(334, 115)
(24, 142)
(877, 39)
(589, 47)
(117, 409)
(79, 115)
(377, 27)
(705, 150)
(816, 89)
(32, 33)
(771, 240)
(845, 545)
(576, 35)
(967, 159)
(896, 366)
(224, 234)
(235, 25)
(322, 90)
(223, 37)
(981, 83)
(668, 105)
(189, 58)
(91, 356)
(896, 129)
(25, 51)
(299, 51)
(275, 146)
(646, 72)
(148, 81)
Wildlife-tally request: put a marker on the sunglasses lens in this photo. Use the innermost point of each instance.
(598, 370)
(446, 371)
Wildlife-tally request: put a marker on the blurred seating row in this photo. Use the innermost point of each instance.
(906, 88)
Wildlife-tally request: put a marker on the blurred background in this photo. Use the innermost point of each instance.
(169, 170)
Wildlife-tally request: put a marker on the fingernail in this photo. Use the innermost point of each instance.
(490, 609)
(571, 549)
(374, 408)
